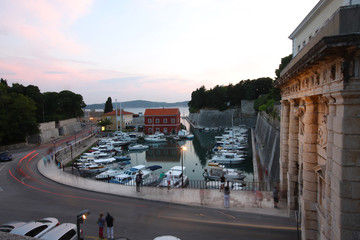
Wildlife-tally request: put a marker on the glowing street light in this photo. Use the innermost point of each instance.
(80, 219)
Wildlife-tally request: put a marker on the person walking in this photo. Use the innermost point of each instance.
(227, 196)
(222, 182)
(276, 196)
(110, 226)
(161, 177)
(138, 180)
(168, 179)
(101, 223)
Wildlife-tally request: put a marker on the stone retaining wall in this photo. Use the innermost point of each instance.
(267, 137)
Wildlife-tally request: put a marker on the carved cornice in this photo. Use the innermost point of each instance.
(323, 50)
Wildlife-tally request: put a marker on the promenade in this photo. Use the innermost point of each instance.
(244, 201)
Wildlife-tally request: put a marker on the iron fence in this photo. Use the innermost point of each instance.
(197, 184)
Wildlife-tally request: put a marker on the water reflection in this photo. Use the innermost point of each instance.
(195, 157)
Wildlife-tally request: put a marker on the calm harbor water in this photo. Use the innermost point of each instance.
(195, 157)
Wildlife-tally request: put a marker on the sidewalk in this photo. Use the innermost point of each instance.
(239, 200)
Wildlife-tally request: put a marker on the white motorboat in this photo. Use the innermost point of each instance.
(149, 177)
(104, 160)
(92, 168)
(216, 170)
(110, 173)
(184, 134)
(177, 178)
(155, 138)
(138, 147)
(127, 175)
(227, 158)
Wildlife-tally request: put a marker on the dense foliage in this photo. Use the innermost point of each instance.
(284, 61)
(23, 108)
(223, 97)
(108, 105)
(266, 102)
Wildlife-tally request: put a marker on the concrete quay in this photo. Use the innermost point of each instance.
(244, 201)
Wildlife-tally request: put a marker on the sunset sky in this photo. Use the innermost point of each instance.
(155, 50)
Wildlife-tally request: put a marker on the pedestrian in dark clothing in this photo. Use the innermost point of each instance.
(101, 223)
(227, 196)
(222, 182)
(110, 226)
(138, 180)
(276, 196)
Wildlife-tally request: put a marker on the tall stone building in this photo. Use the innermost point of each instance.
(320, 122)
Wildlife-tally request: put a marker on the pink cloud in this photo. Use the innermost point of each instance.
(42, 22)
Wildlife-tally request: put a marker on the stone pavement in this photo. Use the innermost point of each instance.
(212, 198)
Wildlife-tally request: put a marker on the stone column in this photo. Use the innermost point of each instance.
(293, 156)
(309, 155)
(329, 160)
(284, 144)
(345, 178)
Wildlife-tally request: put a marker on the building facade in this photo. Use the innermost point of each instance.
(119, 120)
(320, 122)
(164, 120)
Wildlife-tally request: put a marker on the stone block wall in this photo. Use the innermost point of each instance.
(268, 147)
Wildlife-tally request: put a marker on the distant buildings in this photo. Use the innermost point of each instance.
(93, 115)
(164, 120)
(120, 119)
(320, 122)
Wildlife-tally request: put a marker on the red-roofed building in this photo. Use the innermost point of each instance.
(164, 120)
(124, 119)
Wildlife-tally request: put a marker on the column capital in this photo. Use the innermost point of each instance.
(294, 102)
(310, 99)
(330, 98)
(284, 102)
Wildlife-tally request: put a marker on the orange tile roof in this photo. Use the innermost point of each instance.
(114, 113)
(161, 111)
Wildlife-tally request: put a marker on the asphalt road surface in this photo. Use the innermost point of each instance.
(26, 195)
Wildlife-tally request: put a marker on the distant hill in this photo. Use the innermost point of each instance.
(140, 104)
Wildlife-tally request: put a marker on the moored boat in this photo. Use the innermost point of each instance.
(138, 147)
(177, 177)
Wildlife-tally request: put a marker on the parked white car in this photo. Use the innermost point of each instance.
(66, 231)
(9, 226)
(36, 228)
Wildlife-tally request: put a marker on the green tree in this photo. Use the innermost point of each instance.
(51, 108)
(34, 93)
(284, 62)
(17, 118)
(104, 122)
(108, 105)
(70, 104)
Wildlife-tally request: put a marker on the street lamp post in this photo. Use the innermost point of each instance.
(183, 148)
(54, 150)
(80, 219)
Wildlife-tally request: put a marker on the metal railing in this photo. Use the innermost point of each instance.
(199, 184)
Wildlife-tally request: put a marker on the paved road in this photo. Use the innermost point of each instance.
(27, 195)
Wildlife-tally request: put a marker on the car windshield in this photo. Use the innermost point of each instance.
(36, 231)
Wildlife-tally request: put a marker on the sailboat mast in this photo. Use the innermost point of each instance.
(116, 120)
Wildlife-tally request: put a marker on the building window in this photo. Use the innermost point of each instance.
(304, 43)
(165, 120)
(165, 130)
(157, 120)
(333, 72)
(150, 130)
(173, 120)
(158, 129)
(149, 120)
